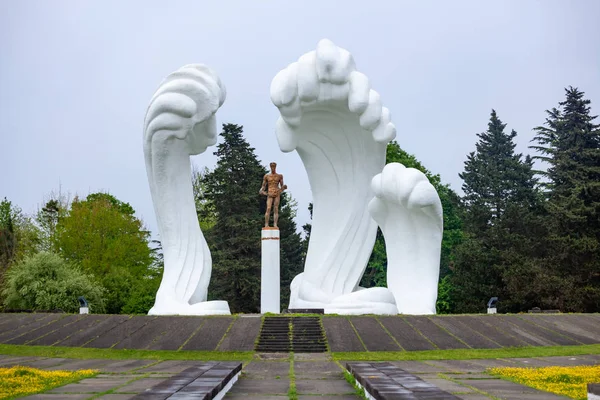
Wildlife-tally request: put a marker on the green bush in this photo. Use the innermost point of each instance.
(45, 281)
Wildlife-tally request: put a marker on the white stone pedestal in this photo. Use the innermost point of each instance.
(269, 273)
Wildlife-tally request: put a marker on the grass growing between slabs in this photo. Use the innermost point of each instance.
(466, 354)
(22, 381)
(122, 354)
(567, 381)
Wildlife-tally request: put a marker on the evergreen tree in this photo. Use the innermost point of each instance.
(570, 143)
(235, 237)
(500, 222)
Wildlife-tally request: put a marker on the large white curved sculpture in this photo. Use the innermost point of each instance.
(180, 122)
(409, 212)
(336, 123)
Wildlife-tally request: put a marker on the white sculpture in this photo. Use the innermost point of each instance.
(338, 126)
(409, 212)
(180, 122)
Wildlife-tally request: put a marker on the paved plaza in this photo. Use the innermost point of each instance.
(315, 376)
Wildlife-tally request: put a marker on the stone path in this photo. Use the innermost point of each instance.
(315, 376)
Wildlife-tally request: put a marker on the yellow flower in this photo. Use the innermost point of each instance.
(567, 381)
(21, 381)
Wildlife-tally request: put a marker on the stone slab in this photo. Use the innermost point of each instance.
(91, 385)
(86, 335)
(210, 334)
(13, 321)
(66, 330)
(119, 332)
(317, 370)
(139, 385)
(458, 365)
(264, 387)
(489, 331)
(31, 336)
(73, 364)
(118, 367)
(419, 367)
(442, 339)
(44, 322)
(470, 337)
(340, 335)
(115, 397)
(506, 389)
(405, 334)
(323, 387)
(524, 337)
(584, 322)
(567, 327)
(169, 367)
(540, 332)
(267, 370)
(51, 396)
(447, 385)
(242, 335)
(373, 335)
(178, 331)
(151, 332)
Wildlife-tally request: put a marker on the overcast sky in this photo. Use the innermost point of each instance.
(76, 78)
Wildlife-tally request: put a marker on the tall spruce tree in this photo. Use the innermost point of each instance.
(569, 142)
(238, 212)
(498, 214)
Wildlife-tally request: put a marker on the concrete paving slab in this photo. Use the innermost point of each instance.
(118, 367)
(562, 326)
(490, 331)
(474, 396)
(51, 396)
(44, 322)
(446, 385)
(119, 332)
(170, 367)
(524, 337)
(340, 335)
(266, 370)
(60, 333)
(79, 364)
(18, 361)
(494, 363)
(530, 362)
(409, 338)
(323, 387)
(419, 367)
(265, 387)
(457, 365)
(178, 331)
(463, 332)
(567, 361)
(84, 336)
(317, 370)
(373, 335)
(160, 327)
(242, 335)
(36, 362)
(441, 338)
(540, 332)
(584, 322)
(210, 334)
(139, 385)
(115, 397)
(509, 390)
(13, 321)
(91, 385)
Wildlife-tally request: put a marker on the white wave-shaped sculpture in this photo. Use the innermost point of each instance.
(336, 123)
(180, 122)
(409, 212)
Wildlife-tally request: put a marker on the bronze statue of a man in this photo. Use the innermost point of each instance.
(273, 193)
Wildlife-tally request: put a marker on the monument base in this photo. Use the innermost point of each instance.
(269, 272)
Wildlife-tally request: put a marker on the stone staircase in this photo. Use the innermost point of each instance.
(306, 335)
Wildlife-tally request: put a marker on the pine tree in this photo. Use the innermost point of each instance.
(234, 239)
(498, 212)
(570, 143)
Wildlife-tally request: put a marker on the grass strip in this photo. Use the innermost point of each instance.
(465, 354)
(122, 354)
(292, 393)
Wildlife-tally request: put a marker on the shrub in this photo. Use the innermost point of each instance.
(45, 281)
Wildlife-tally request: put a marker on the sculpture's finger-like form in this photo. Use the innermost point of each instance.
(409, 212)
(336, 123)
(180, 121)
